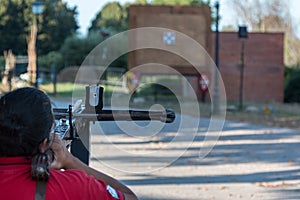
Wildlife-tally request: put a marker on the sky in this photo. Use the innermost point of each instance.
(89, 8)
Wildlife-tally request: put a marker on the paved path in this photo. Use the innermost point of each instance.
(248, 162)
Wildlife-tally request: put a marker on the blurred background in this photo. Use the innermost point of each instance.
(260, 70)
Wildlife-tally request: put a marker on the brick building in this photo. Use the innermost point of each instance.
(193, 21)
(263, 52)
(263, 66)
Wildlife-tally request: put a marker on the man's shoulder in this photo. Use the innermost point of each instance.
(70, 175)
(74, 184)
(72, 172)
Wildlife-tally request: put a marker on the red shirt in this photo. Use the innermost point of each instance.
(16, 183)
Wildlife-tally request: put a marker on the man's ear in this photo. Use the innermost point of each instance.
(44, 145)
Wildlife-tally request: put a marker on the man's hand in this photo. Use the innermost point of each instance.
(63, 159)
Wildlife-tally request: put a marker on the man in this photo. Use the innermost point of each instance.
(28, 152)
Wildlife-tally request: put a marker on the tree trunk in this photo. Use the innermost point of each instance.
(31, 41)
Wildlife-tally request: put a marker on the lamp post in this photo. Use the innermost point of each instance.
(37, 9)
(216, 102)
(242, 34)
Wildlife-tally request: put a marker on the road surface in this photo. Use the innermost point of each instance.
(247, 161)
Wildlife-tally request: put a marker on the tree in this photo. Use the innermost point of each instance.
(13, 26)
(141, 2)
(270, 16)
(75, 49)
(55, 24)
(112, 18)
(292, 90)
(261, 15)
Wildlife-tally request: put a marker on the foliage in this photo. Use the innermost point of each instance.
(55, 24)
(155, 93)
(151, 89)
(2, 63)
(52, 59)
(292, 84)
(141, 2)
(292, 91)
(290, 72)
(120, 62)
(112, 18)
(75, 49)
(14, 25)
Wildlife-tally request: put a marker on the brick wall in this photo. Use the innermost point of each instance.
(263, 66)
(263, 52)
(193, 21)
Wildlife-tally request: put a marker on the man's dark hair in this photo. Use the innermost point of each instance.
(25, 121)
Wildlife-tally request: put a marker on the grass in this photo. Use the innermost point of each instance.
(280, 115)
(62, 89)
(273, 114)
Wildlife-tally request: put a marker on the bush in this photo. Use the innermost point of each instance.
(292, 90)
(52, 58)
(75, 49)
(2, 63)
